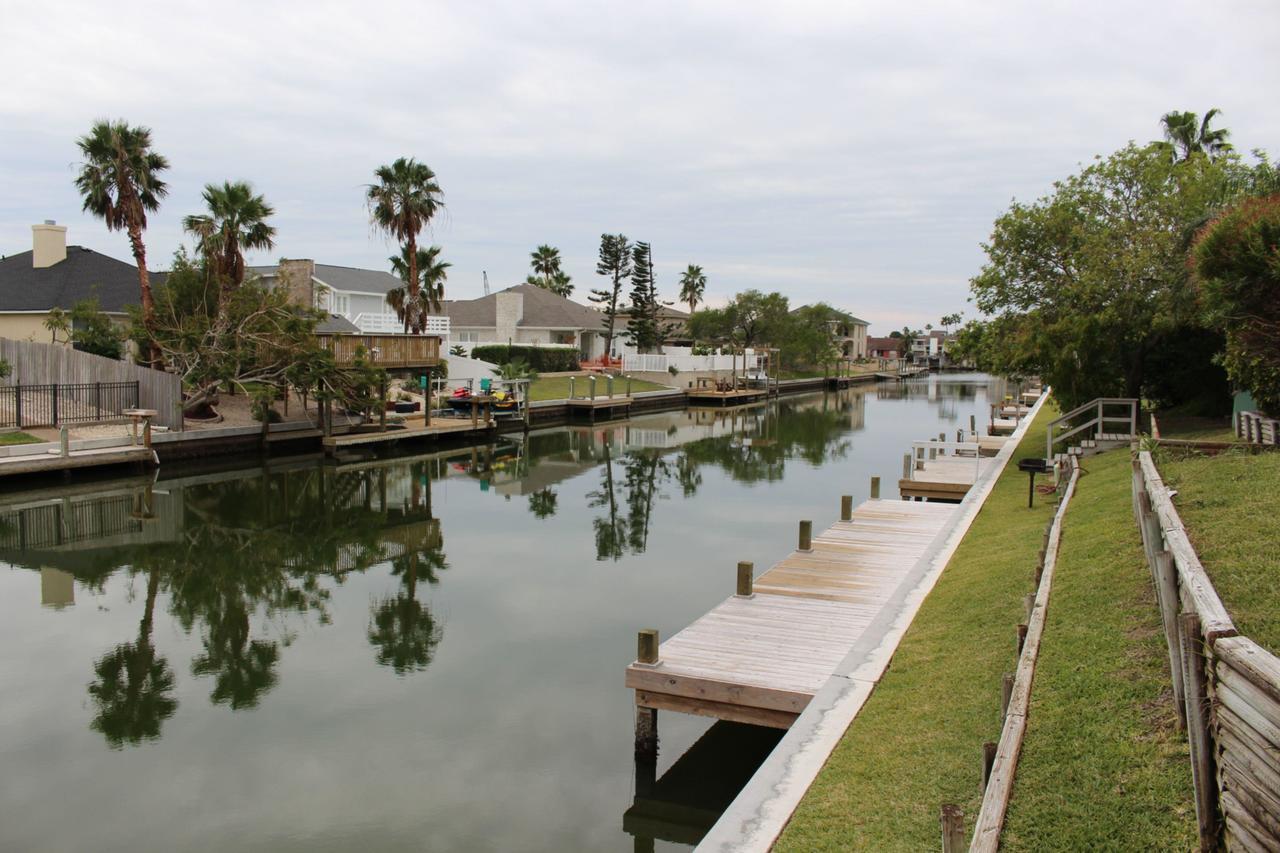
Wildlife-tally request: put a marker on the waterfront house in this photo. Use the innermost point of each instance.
(526, 314)
(883, 347)
(54, 275)
(848, 333)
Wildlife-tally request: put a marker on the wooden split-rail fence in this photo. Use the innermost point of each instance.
(1226, 687)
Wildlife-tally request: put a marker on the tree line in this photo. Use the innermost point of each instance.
(1149, 273)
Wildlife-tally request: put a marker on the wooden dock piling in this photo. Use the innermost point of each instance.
(846, 507)
(806, 536)
(875, 489)
(746, 577)
(647, 646)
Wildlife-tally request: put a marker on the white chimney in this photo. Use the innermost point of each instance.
(48, 244)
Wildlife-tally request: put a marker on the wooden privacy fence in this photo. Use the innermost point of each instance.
(389, 351)
(1226, 687)
(1257, 428)
(52, 364)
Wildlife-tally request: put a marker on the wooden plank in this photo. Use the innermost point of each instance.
(719, 710)
(1254, 663)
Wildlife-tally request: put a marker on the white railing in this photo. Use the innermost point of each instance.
(390, 324)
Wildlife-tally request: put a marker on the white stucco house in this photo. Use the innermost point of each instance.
(526, 314)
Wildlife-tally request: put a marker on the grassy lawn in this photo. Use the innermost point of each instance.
(1227, 503)
(917, 743)
(1191, 428)
(1101, 770)
(557, 387)
(1102, 765)
(11, 438)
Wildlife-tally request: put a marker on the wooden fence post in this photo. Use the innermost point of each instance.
(1197, 703)
(1006, 694)
(952, 829)
(1167, 599)
(1022, 638)
(988, 761)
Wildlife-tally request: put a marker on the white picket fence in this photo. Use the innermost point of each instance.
(662, 363)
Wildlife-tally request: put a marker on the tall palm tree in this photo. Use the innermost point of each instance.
(404, 200)
(548, 275)
(236, 221)
(120, 183)
(432, 274)
(1186, 134)
(693, 283)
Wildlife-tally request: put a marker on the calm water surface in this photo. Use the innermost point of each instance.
(412, 652)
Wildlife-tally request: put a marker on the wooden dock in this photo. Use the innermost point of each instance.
(941, 470)
(600, 408)
(703, 397)
(759, 657)
(99, 457)
(440, 428)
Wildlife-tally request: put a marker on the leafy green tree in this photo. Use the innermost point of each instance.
(614, 263)
(693, 284)
(404, 200)
(58, 323)
(120, 183)
(1185, 135)
(1082, 281)
(93, 331)
(1237, 265)
(548, 275)
(236, 222)
(432, 274)
(6, 369)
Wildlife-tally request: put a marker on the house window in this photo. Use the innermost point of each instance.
(467, 337)
(563, 338)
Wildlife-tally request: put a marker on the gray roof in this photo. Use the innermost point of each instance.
(542, 310)
(84, 274)
(336, 324)
(346, 278)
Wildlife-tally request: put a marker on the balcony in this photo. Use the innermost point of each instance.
(389, 324)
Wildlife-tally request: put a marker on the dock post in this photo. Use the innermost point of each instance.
(988, 761)
(608, 383)
(919, 458)
(952, 829)
(746, 580)
(906, 466)
(875, 488)
(647, 646)
(146, 431)
(64, 444)
(973, 424)
(846, 507)
(591, 380)
(628, 386)
(646, 734)
(942, 436)
(806, 536)
(571, 378)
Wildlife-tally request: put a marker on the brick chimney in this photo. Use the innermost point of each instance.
(295, 278)
(48, 244)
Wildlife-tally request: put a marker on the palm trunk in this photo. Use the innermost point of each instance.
(144, 286)
(413, 281)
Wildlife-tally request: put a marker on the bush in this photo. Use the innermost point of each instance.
(541, 359)
(5, 369)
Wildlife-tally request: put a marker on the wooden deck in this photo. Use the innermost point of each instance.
(760, 659)
(711, 397)
(440, 427)
(942, 471)
(94, 458)
(600, 408)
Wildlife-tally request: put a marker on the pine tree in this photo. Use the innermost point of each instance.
(615, 262)
(644, 328)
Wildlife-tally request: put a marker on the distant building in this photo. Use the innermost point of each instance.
(930, 348)
(884, 347)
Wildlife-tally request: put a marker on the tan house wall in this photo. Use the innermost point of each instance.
(24, 327)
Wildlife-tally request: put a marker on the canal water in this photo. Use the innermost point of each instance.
(408, 652)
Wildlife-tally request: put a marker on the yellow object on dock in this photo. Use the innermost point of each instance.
(760, 658)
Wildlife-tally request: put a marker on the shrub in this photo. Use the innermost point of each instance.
(541, 359)
(5, 369)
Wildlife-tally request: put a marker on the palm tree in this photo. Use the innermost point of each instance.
(432, 273)
(1186, 135)
(119, 181)
(693, 283)
(403, 202)
(236, 221)
(545, 261)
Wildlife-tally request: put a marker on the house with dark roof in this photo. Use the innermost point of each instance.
(526, 314)
(55, 275)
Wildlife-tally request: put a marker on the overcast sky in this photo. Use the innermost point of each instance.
(846, 152)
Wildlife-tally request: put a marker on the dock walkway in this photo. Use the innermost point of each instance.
(760, 659)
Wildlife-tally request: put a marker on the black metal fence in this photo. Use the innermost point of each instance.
(53, 405)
